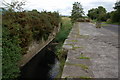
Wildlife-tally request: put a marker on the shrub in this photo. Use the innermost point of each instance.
(11, 53)
(19, 29)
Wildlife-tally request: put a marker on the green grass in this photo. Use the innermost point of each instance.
(64, 30)
(80, 65)
(60, 38)
(73, 40)
(81, 77)
(73, 47)
(83, 57)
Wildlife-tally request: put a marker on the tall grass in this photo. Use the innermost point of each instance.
(60, 38)
(64, 30)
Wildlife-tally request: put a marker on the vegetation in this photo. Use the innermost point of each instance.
(20, 28)
(81, 77)
(83, 57)
(60, 38)
(115, 15)
(100, 14)
(64, 30)
(80, 65)
(77, 12)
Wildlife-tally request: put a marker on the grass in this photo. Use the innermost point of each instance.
(73, 40)
(83, 57)
(65, 29)
(80, 65)
(60, 38)
(83, 36)
(81, 77)
(73, 48)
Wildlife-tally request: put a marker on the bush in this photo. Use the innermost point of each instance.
(11, 54)
(19, 29)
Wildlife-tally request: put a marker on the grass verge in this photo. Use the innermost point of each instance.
(66, 26)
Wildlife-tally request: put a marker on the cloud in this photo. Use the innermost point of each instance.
(65, 6)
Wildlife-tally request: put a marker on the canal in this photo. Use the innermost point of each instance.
(43, 66)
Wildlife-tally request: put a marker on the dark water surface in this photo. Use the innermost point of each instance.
(44, 66)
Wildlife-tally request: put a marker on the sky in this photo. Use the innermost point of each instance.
(64, 7)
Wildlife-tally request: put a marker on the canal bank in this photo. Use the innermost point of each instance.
(92, 52)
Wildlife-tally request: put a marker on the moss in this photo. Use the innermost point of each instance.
(83, 36)
(73, 40)
(69, 44)
(73, 48)
(80, 65)
(83, 57)
(81, 77)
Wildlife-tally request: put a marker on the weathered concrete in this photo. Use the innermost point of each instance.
(98, 44)
(35, 47)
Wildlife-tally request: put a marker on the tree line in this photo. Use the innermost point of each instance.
(100, 14)
(97, 14)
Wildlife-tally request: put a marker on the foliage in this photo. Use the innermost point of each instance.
(92, 13)
(60, 38)
(19, 30)
(15, 5)
(97, 13)
(31, 25)
(77, 11)
(64, 30)
(11, 53)
(115, 15)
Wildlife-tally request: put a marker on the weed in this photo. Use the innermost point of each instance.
(73, 40)
(80, 65)
(73, 48)
(83, 57)
(81, 77)
(83, 36)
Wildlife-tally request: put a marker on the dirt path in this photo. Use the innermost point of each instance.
(99, 45)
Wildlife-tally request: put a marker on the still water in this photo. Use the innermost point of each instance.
(44, 66)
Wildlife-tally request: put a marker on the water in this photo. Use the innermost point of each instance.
(44, 66)
(55, 69)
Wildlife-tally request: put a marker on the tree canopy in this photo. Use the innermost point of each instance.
(115, 15)
(77, 11)
(97, 13)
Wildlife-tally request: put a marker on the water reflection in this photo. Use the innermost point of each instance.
(41, 67)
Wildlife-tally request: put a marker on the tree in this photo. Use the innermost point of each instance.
(15, 5)
(117, 5)
(115, 16)
(101, 14)
(92, 13)
(77, 11)
(97, 13)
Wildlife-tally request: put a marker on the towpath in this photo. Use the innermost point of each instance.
(92, 52)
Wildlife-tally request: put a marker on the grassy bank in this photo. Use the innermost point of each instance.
(64, 30)
(60, 38)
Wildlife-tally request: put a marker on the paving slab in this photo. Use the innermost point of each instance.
(91, 47)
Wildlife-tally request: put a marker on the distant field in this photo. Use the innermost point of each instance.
(66, 18)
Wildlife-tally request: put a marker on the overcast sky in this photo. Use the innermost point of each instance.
(64, 7)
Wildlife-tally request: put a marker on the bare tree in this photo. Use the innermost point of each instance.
(14, 5)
